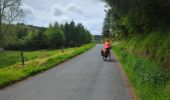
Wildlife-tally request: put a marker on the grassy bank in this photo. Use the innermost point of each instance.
(149, 79)
(154, 46)
(146, 60)
(36, 62)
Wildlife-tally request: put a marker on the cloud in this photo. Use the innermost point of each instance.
(57, 10)
(73, 8)
(88, 12)
(27, 9)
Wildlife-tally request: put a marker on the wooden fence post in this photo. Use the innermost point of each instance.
(22, 58)
(62, 49)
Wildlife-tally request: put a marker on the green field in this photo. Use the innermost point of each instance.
(8, 58)
(12, 71)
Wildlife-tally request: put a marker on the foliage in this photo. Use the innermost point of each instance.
(55, 36)
(10, 11)
(148, 78)
(76, 35)
(128, 17)
(154, 46)
(35, 40)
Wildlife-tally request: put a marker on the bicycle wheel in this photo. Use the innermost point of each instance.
(104, 58)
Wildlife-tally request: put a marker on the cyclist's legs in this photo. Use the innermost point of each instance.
(108, 49)
(109, 52)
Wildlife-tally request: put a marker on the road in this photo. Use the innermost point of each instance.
(85, 77)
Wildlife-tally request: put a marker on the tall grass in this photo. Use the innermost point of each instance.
(149, 79)
(17, 72)
(155, 46)
(8, 58)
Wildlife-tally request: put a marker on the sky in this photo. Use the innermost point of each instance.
(43, 12)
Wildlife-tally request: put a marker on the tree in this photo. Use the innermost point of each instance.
(106, 25)
(21, 30)
(54, 37)
(35, 40)
(138, 16)
(10, 10)
(56, 25)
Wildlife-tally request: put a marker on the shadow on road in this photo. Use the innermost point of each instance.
(111, 60)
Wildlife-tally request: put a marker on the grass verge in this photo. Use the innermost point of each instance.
(8, 58)
(150, 81)
(16, 72)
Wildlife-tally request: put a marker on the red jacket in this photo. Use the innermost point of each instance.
(107, 45)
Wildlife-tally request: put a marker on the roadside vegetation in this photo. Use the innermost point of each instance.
(145, 59)
(140, 29)
(37, 61)
(8, 58)
(150, 80)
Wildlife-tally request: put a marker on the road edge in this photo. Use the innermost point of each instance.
(130, 87)
(28, 77)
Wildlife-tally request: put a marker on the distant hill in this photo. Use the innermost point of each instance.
(97, 38)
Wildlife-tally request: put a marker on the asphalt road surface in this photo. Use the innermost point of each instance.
(85, 77)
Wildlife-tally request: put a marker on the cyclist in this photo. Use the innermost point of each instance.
(106, 48)
(107, 45)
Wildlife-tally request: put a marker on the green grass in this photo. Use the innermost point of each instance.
(37, 62)
(146, 60)
(155, 46)
(8, 58)
(149, 79)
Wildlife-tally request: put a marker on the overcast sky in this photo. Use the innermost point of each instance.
(88, 12)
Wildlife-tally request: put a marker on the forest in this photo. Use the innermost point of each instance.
(130, 17)
(28, 37)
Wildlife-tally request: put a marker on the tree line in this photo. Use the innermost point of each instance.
(126, 18)
(28, 37)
